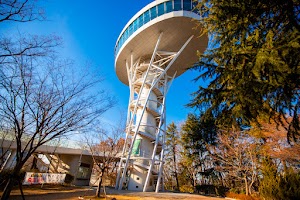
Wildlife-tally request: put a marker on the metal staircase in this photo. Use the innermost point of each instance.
(149, 84)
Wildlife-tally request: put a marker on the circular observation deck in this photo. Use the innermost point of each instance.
(176, 20)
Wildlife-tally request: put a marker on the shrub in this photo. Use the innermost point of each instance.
(206, 189)
(221, 191)
(212, 189)
(282, 187)
(186, 188)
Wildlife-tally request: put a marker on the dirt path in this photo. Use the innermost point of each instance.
(87, 194)
(51, 192)
(56, 196)
(158, 196)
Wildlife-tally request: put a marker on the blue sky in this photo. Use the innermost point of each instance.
(89, 30)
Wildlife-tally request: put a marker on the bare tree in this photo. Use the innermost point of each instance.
(105, 147)
(40, 99)
(20, 11)
(236, 155)
(274, 143)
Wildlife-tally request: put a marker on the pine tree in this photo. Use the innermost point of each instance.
(196, 133)
(252, 62)
(172, 145)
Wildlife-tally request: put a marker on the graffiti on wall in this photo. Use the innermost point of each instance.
(41, 178)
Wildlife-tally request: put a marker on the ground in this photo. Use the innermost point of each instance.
(50, 192)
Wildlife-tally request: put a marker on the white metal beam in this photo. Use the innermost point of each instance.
(135, 109)
(138, 78)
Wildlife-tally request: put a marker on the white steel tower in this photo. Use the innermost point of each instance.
(155, 46)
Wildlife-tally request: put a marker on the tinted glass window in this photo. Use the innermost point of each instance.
(130, 30)
(83, 171)
(187, 4)
(153, 12)
(166, 7)
(125, 34)
(177, 5)
(135, 25)
(169, 6)
(121, 41)
(141, 21)
(146, 17)
(160, 9)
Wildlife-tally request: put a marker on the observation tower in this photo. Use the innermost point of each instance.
(156, 45)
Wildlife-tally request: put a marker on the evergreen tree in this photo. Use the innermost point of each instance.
(172, 145)
(274, 185)
(252, 62)
(196, 133)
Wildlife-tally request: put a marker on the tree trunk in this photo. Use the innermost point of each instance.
(177, 182)
(14, 177)
(246, 186)
(252, 182)
(8, 188)
(194, 180)
(21, 189)
(175, 169)
(98, 192)
(250, 187)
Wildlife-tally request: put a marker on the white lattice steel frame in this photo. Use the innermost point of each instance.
(149, 84)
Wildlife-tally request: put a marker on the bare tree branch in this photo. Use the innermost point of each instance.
(20, 11)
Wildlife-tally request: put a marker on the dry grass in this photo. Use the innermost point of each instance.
(241, 196)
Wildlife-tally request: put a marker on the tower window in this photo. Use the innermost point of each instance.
(177, 5)
(153, 12)
(160, 9)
